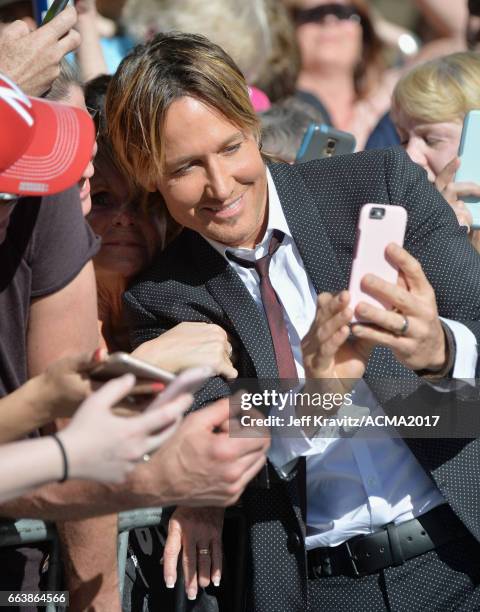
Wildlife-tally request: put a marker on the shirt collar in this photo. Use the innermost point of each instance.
(276, 220)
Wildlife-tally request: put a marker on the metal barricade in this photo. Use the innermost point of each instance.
(135, 519)
(31, 531)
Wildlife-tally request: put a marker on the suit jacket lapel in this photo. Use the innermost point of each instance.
(222, 282)
(306, 224)
(249, 321)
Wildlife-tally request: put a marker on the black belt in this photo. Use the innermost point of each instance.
(392, 545)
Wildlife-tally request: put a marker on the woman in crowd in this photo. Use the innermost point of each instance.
(342, 63)
(343, 60)
(428, 108)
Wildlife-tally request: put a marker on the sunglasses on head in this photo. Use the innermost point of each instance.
(317, 14)
(474, 7)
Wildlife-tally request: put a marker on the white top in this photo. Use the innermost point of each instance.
(355, 484)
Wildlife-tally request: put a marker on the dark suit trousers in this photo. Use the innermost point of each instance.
(444, 580)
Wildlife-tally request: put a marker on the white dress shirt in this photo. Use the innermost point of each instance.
(355, 483)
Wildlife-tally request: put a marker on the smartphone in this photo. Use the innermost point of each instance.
(188, 381)
(55, 8)
(40, 8)
(120, 363)
(321, 141)
(469, 153)
(378, 226)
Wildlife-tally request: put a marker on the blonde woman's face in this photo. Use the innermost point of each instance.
(430, 145)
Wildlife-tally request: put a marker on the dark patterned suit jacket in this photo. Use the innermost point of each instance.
(190, 281)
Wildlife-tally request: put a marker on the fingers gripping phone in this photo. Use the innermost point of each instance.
(469, 171)
(117, 364)
(188, 381)
(378, 226)
(321, 141)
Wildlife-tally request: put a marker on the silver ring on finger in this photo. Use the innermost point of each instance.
(204, 551)
(229, 350)
(403, 330)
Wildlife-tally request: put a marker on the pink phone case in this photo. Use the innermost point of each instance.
(378, 226)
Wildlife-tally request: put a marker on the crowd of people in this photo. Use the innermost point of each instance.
(150, 204)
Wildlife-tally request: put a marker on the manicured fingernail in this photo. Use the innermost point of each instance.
(170, 582)
(192, 594)
(157, 387)
(216, 581)
(99, 355)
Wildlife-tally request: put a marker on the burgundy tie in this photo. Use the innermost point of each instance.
(273, 308)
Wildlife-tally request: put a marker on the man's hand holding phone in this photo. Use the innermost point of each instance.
(412, 330)
(326, 353)
(333, 362)
(32, 59)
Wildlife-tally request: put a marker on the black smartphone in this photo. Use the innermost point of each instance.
(321, 141)
(57, 7)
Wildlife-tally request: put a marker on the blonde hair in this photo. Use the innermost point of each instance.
(258, 34)
(156, 74)
(444, 89)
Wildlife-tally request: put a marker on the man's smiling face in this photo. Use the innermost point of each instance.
(213, 179)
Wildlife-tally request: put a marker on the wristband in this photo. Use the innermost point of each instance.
(64, 457)
(451, 349)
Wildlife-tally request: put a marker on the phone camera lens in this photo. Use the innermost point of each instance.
(377, 213)
(330, 149)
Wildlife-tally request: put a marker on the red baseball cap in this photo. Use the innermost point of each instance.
(45, 146)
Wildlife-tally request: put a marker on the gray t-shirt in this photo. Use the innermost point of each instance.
(48, 242)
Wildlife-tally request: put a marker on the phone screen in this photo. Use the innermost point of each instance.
(56, 8)
(469, 171)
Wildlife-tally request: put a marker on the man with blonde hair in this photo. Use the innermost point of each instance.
(265, 253)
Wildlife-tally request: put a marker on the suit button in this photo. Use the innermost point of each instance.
(293, 542)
